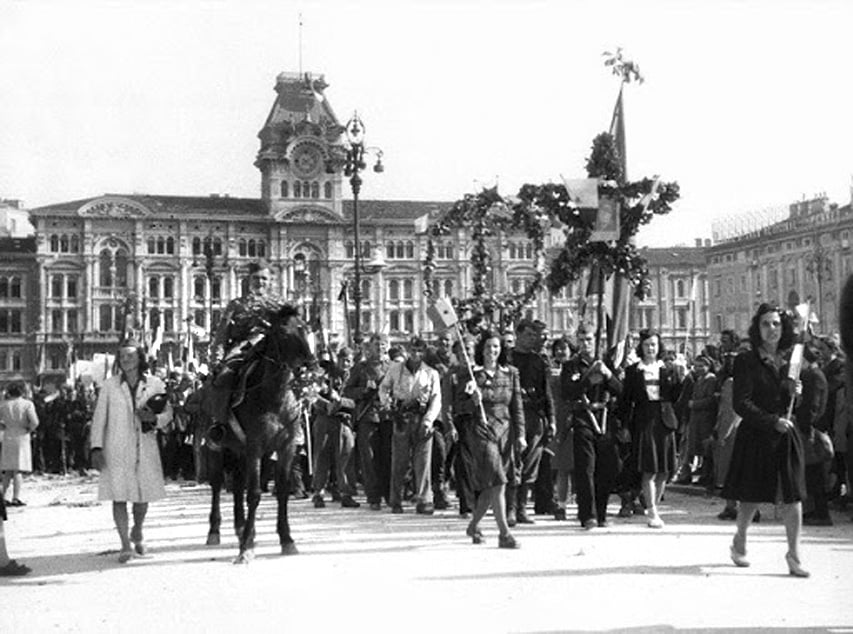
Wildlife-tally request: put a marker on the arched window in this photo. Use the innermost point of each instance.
(315, 189)
(394, 321)
(365, 290)
(56, 286)
(393, 290)
(241, 247)
(152, 246)
(297, 189)
(448, 288)
(253, 250)
(349, 249)
(389, 250)
(54, 243)
(170, 245)
(121, 268)
(71, 320)
(168, 320)
(15, 290)
(198, 287)
(529, 251)
(153, 287)
(284, 188)
(410, 321)
(16, 361)
(208, 246)
(262, 249)
(216, 288)
(63, 243)
(449, 253)
(410, 250)
(679, 288)
(401, 250)
(306, 189)
(327, 190)
(71, 286)
(217, 246)
(4, 287)
(105, 276)
(168, 287)
(196, 246)
(75, 243)
(366, 250)
(161, 245)
(408, 289)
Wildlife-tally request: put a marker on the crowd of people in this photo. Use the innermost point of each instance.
(506, 420)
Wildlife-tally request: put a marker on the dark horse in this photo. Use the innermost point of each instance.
(268, 416)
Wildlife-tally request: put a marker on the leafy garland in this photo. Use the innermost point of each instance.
(535, 210)
(637, 206)
(488, 215)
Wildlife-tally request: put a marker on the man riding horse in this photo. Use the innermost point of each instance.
(241, 329)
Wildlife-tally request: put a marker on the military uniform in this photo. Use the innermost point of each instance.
(241, 328)
(596, 462)
(539, 420)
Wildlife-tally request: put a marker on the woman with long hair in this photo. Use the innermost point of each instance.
(767, 459)
(491, 403)
(650, 388)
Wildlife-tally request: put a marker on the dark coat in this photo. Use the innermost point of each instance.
(653, 442)
(767, 465)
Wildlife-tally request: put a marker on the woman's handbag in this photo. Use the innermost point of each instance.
(667, 416)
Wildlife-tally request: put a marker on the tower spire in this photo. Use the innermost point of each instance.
(300, 43)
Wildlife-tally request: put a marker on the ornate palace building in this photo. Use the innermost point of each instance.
(176, 261)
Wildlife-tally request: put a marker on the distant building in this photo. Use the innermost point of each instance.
(14, 219)
(677, 304)
(19, 299)
(803, 258)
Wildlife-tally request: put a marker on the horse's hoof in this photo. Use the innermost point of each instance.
(213, 539)
(245, 557)
(289, 549)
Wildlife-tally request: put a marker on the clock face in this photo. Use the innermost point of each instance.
(306, 161)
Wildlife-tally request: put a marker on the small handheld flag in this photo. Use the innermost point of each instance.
(442, 315)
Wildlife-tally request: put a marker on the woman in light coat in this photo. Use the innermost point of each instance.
(18, 419)
(124, 444)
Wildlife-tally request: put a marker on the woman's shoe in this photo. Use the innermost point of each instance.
(507, 541)
(475, 534)
(794, 568)
(739, 559)
(124, 556)
(17, 502)
(14, 569)
(655, 521)
(138, 544)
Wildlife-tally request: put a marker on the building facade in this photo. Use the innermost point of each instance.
(174, 262)
(804, 258)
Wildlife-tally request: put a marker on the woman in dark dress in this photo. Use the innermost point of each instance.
(767, 459)
(649, 390)
(497, 388)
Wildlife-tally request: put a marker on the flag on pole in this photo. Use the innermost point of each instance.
(617, 131)
(422, 223)
(617, 333)
(170, 362)
(442, 314)
(156, 342)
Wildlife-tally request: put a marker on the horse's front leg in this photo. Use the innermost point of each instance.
(253, 497)
(282, 488)
(216, 473)
(239, 493)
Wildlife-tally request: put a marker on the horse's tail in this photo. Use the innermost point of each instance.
(845, 324)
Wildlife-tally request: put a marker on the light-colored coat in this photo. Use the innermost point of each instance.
(17, 419)
(133, 471)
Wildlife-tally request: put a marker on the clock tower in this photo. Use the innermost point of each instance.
(301, 152)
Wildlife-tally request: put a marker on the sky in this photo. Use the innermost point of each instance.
(745, 104)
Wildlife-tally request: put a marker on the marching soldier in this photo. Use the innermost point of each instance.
(587, 387)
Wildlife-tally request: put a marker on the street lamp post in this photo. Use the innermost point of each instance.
(352, 168)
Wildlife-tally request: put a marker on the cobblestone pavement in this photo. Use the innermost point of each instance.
(373, 571)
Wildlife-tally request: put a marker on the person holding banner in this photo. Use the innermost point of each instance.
(767, 463)
(492, 406)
